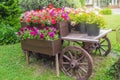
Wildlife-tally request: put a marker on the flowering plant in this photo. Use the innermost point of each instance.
(48, 33)
(45, 17)
(96, 19)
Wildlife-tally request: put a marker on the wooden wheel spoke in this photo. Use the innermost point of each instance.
(80, 77)
(102, 41)
(83, 70)
(81, 58)
(102, 49)
(104, 45)
(68, 69)
(96, 50)
(70, 54)
(99, 51)
(83, 64)
(75, 56)
(66, 57)
(66, 63)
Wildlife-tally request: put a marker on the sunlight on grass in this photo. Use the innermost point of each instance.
(113, 21)
(13, 66)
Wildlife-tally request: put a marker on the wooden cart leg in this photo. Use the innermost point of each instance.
(27, 57)
(57, 65)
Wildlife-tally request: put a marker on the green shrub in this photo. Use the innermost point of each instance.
(114, 71)
(106, 11)
(9, 12)
(7, 35)
(38, 4)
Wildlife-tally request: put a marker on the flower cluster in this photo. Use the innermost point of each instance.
(48, 33)
(45, 17)
(88, 16)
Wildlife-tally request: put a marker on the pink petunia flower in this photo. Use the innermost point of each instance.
(51, 34)
(41, 36)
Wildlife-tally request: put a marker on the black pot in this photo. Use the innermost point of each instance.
(82, 28)
(93, 30)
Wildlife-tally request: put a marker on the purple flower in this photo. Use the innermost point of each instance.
(51, 12)
(51, 34)
(41, 36)
(65, 15)
(22, 29)
(53, 29)
(34, 33)
(32, 29)
(47, 28)
(19, 33)
(27, 27)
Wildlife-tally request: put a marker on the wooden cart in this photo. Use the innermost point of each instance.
(74, 61)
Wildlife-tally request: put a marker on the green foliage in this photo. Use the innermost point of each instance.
(9, 12)
(114, 71)
(81, 18)
(96, 19)
(78, 18)
(106, 11)
(7, 35)
(38, 4)
(82, 2)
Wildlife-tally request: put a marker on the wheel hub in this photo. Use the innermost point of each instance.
(74, 64)
(97, 45)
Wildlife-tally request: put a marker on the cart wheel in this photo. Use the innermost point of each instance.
(103, 47)
(76, 62)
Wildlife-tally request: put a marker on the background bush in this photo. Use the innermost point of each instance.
(37, 4)
(7, 34)
(9, 12)
(114, 70)
(9, 21)
(106, 11)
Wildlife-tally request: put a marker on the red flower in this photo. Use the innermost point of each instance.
(29, 19)
(42, 24)
(34, 21)
(50, 6)
(53, 21)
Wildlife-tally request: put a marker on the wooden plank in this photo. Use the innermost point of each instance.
(57, 65)
(27, 57)
(103, 33)
(85, 37)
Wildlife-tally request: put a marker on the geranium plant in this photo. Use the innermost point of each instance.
(48, 33)
(45, 17)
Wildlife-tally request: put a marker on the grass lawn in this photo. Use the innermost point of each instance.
(13, 64)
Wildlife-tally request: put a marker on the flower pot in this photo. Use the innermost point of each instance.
(93, 30)
(42, 46)
(82, 28)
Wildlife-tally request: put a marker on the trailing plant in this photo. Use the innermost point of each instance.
(48, 33)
